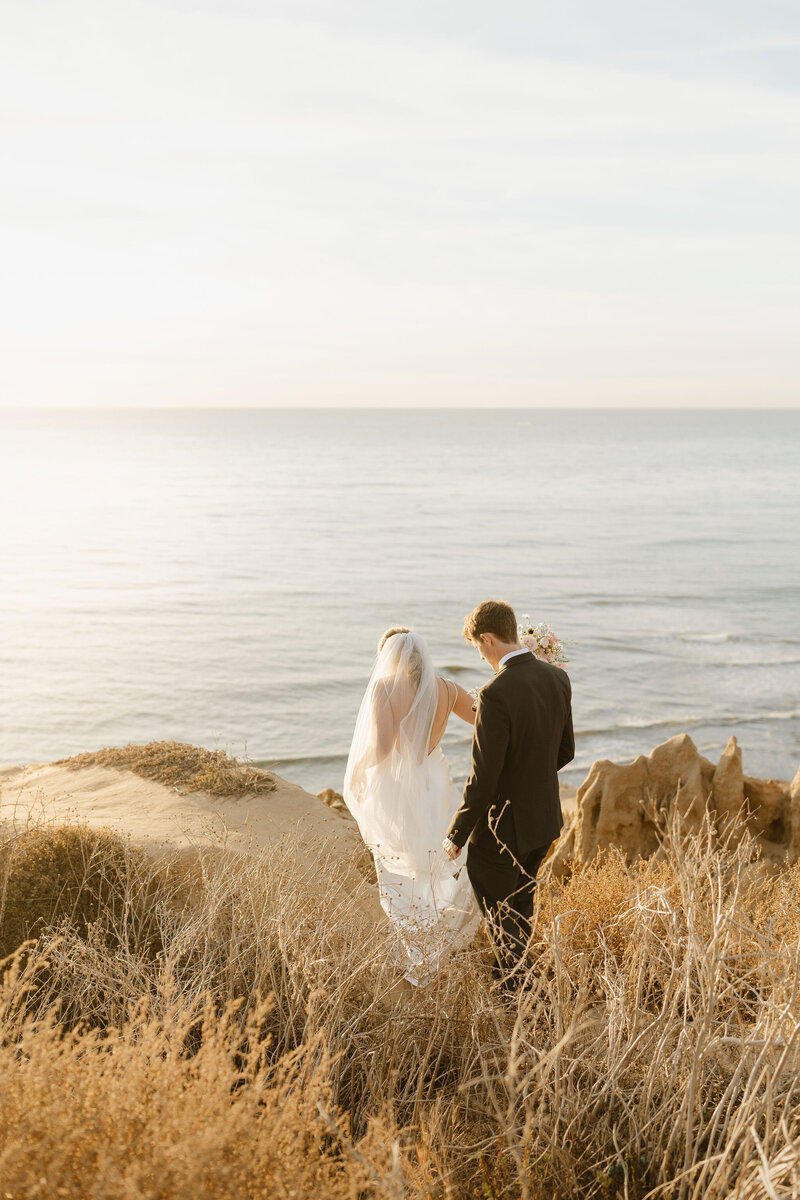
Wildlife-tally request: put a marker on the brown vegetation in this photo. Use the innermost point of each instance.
(181, 766)
(222, 1026)
(70, 873)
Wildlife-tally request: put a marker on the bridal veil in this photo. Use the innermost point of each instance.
(386, 766)
(403, 800)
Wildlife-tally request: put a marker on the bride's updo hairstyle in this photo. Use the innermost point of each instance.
(492, 616)
(414, 662)
(390, 633)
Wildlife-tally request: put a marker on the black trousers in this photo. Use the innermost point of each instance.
(505, 891)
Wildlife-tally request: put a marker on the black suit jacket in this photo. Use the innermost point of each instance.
(523, 736)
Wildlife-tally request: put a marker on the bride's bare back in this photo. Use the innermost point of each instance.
(390, 709)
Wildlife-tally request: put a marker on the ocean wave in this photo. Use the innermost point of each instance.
(712, 637)
(296, 760)
(681, 723)
(791, 715)
(755, 662)
(629, 601)
(721, 638)
(662, 649)
(687, 723)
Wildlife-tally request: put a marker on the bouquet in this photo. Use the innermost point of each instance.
(542, 642)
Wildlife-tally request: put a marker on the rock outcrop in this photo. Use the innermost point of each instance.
(727, 787)
(334, 800)
(794, 808)
(622, 805)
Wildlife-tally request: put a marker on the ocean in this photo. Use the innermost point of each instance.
(222, 577)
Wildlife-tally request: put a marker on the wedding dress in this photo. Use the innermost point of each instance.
(400, 792)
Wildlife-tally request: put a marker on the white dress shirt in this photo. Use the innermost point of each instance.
(512, 654)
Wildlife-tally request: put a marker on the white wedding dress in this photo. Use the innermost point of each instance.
(403, 799)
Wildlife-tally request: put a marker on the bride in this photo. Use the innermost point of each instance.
(398, 787)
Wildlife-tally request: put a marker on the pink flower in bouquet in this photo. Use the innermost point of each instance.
(542, 642)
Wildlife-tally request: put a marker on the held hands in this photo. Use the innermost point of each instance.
(451, 849)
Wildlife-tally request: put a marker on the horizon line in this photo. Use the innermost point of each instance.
(628, 408)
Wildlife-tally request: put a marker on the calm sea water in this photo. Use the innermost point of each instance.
(222, 577)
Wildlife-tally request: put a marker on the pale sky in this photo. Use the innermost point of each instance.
(358, 202)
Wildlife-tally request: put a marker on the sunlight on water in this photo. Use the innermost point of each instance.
(222, 577)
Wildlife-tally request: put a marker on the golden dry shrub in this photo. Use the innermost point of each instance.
(181, 766)
(70, 872)
(596, 906)
(656, 1030)
(588, 905)
(772, 903)
(770, 907)
(129, 1113)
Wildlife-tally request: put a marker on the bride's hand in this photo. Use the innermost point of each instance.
(451, 849)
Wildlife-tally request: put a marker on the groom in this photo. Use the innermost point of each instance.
(511, 810)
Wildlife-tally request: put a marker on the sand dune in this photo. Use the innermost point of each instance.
(163, 819)
(160, 817)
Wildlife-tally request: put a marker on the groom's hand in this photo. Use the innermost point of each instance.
(451, 849)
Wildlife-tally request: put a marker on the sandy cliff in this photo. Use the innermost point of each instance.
(616, 806)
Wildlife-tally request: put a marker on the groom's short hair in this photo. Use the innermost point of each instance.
(492, 616)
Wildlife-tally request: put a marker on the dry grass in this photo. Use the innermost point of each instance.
(71, 873)
(654, 1051)
(128, 1113)
(181, 766)
(592, 908)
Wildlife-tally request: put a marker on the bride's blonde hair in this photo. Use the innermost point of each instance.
(414, 663)
(390, 633)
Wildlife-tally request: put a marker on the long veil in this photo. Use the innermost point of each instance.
(403, 799)
(382, 785)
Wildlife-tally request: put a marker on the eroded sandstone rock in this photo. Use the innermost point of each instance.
(794, 818)
(334, 800)
(616, 803)
(727, 787)
(768, 809)
(621, 805)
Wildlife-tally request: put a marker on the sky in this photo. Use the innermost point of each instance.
(349, 202)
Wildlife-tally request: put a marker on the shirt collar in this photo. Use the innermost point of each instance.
(511, 654)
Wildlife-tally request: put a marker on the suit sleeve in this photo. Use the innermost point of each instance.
(566, 751)
(489, 743)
